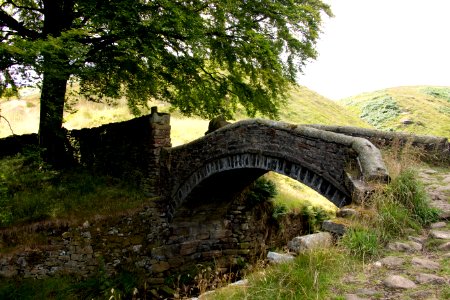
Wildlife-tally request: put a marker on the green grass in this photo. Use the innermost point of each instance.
(100, 286)
(361, 241)
(295, 195)
(30, 192)
(305, 106)
(409, 192)
(427, 106)
(400, 207)
(309, 276)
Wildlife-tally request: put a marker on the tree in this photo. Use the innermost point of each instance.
(204, 57)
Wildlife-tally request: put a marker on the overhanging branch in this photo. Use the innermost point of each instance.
(8, 21)
(24, 7)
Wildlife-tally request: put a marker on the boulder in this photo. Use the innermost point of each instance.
(309, 242)
(333, 227)
(278, 258)
(398, 282)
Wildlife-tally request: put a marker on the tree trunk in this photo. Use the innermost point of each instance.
(58, 17)
(51, 134)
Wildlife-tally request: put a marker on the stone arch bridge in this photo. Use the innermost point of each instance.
(238, 154)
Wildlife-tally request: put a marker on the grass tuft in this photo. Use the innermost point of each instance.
(409, 192)
(361, 242)
(309, 276)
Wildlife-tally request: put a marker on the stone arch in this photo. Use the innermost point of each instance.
(337, 195)
(314, 157)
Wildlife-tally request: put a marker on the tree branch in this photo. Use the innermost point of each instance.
(9, 125)
(8, 21)
(24, 7)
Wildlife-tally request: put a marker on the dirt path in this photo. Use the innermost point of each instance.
(415, 268)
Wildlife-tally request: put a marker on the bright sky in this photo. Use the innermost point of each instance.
(377, 44)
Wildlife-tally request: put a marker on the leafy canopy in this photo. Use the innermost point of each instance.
(202, 56)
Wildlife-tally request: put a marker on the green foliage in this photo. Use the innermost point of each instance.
(314, 216)
(204, 57)
(394, 219)
(442, 93)
(31, 192)
(380, 110)
(402, 206)
(99, 286)
(279, 210)
(262, 190)
(361, 242)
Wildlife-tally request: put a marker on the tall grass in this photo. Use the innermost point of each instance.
(404, 205)
(309, 276)
(400, 207)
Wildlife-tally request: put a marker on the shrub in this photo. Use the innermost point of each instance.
(380, 110)
(314, 216)
(441, 93)
(279, 210)
(261, 190)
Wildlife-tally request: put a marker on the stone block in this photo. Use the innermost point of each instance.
(333, 227)
(8, 272)
(346, 213)
(84, 249)
(211, 254)
(236, 251)
(311, 242)
(409, 246)
(188, 247)
(277, 258)
(176, 262)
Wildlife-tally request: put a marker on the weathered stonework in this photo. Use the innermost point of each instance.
(314, 157)
(143, 240)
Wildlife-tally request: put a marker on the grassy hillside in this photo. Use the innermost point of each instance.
(308, 107)
(415, 109)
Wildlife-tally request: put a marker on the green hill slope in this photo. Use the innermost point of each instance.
(305, 106)
(415, 109)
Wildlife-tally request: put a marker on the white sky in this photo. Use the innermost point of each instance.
(377, 44)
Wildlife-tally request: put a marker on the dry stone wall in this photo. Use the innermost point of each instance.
(143, 241)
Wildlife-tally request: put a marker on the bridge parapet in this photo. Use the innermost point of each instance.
(388, 138)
